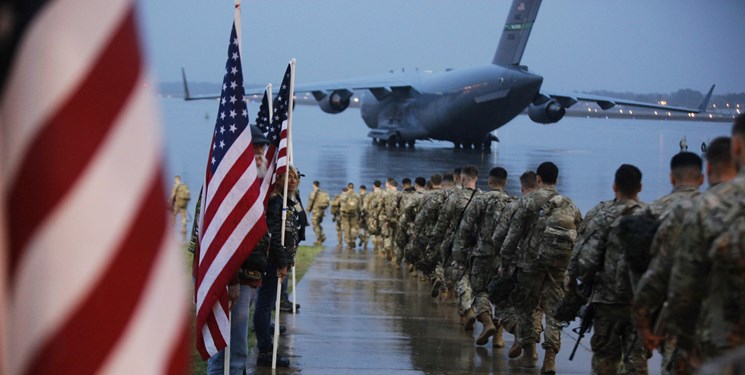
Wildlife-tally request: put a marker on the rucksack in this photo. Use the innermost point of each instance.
(558, 231)
(636, 233)
(182, 192)
(321, 200)
(727, 254)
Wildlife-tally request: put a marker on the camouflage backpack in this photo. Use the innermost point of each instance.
(182, 192)
(350, 204)
(727, 254)
(321, 200)
(557, 231)
(636, 233)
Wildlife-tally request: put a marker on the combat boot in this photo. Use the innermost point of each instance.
(489, 328)
(549, 362)
(498, 342)
(515, 349)
(469, 319)
(529, 357)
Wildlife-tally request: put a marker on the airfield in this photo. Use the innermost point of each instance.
(358, 314)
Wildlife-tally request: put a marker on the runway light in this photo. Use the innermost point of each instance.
(356, 100)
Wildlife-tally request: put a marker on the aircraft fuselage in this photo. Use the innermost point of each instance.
(462, 105)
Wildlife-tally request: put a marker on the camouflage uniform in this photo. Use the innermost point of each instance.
(389, 221)
(318, 201)
(350, 212)
(424, 223)
(474, 238)
(336, 217)
(707, 286)
(651, 290)
(362, 222)
(180, 197)
(443, 235)
(372, 206)
(410, 203)
(546, 223)
(600, 261)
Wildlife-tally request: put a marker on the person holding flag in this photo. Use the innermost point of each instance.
(231, 223)
(282, 182)
(281, 258)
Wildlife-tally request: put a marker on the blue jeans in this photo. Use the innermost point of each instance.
(238, 336)
(265, 301)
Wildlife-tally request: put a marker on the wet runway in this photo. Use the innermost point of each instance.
(360, 316)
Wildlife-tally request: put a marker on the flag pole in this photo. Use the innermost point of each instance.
(290, 157)
(276, 323)
(269, 102)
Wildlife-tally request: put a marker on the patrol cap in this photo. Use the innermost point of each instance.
(257, 136)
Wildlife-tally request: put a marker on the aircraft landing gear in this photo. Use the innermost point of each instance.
(411, 143)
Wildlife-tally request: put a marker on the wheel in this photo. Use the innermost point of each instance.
(411, 142)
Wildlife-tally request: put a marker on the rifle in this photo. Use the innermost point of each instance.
(586, 314)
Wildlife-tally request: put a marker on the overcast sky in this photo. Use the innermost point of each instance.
(641, 46)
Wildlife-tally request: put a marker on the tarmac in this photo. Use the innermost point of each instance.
(359, 315)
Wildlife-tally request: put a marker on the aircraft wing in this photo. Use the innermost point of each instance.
(380, 86)
(604, 102)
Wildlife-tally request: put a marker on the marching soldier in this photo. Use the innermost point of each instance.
(410, 201)
(389, 217)
(424, 224)
(600, 263)
(336, 215)
(474, 238)
(350, 207)
(706, 285)
(362, 223)
(317, 204)
(548, 222)
(372, 205)
(180, 197)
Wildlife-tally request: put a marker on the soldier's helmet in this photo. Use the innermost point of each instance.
(257, 137)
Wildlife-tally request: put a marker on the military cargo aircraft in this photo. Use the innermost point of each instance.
(462, 106)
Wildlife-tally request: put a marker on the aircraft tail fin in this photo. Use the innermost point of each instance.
(705, 102)
(187, 95)
(516, 32)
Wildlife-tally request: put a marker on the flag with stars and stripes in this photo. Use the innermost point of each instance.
(274, 126)
(93, 277)
(232, 218)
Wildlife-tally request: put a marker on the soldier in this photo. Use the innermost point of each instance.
(547, 221)
(443, 235)
(504, 310)
(336, 216)
(362, 222)
(317, 204)
(180, 197)
(474, 238)
(600, 263)
(389, 217)
(350, 212)
(425, 222)
(651, 290)
(706, 284)
(372, 206)
(410, 201)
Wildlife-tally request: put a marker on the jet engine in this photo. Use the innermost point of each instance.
(335, 102)
(547, 112)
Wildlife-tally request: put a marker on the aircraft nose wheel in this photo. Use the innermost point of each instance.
(411, 143)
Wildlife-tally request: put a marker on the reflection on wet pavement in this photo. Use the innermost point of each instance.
(362, 316)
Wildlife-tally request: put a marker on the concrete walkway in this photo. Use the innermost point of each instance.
(360, 316)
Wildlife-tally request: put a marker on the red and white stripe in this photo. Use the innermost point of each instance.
(232, 222)
(277, 158)
(95, 281)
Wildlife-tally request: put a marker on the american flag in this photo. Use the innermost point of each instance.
(95, 282)
(274, 127)
(232, 214)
